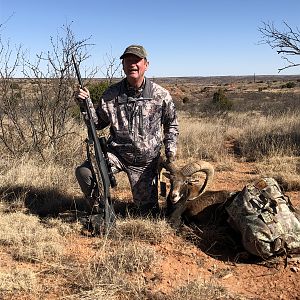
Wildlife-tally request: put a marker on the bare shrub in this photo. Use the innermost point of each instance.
(39, 117)
(286, 41)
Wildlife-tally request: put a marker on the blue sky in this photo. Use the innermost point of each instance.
(183, 38)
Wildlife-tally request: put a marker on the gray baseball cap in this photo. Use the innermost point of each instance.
(137, 50)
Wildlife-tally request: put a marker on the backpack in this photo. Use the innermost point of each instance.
(266, 219)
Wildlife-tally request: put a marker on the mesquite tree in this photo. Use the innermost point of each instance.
(285, 41)
(36, 112)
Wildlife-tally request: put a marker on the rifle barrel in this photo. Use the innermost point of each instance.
(77, 71)
(101, 161)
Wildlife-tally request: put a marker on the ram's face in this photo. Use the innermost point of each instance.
(184, 182)
(179, 188)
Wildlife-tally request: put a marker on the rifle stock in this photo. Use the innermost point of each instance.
(101, 169)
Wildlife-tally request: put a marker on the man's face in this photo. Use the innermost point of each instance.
(134, 67)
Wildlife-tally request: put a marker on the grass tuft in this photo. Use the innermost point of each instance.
(27, 239)
(152, 231)
(18, 280)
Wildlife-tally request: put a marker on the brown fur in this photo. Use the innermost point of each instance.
(208, 198)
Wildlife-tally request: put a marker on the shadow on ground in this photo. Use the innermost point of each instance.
(39, 201)
(214, 237)
(211, 233)
(50, 202)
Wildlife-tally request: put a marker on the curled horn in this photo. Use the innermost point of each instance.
(170, 167)
(200, 166)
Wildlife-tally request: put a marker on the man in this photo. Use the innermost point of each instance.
(142, 118)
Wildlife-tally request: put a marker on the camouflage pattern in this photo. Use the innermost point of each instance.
(137, 50)
(143, 181)
(141, 122)
(266, 219)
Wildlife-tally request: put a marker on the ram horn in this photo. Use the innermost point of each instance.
(200, 166)
(170, 167)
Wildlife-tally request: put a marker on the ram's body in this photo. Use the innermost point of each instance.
(191, 200)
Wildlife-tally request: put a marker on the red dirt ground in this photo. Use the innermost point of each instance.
(252, 280)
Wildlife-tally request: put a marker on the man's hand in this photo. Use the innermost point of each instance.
(81, 94)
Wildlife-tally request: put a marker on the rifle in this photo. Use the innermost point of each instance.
(103, 177)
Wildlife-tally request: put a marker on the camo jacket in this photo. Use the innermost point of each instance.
(138, 126)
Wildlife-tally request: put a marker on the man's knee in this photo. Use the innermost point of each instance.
(84, 177)
(83, 173)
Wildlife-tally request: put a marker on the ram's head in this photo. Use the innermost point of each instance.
(182, 184)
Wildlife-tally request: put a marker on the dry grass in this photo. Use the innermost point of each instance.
(109, 283)
(246, 137)
(18, 280)
(200, 289)
(271, 136)
(153, 231)
(285, 169)
(30, 171)
(118, 266)
(132, 257)
(201, 138)
(28, 184)
(116, 269)
(98, 293)
(27, 239)
(64, 228)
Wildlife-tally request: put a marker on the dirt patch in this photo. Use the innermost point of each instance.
(258, 280)
(252, 278)
(185, 258)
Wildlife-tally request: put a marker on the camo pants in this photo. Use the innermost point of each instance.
(143, 182)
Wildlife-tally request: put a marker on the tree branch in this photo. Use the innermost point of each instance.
(287, 42)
